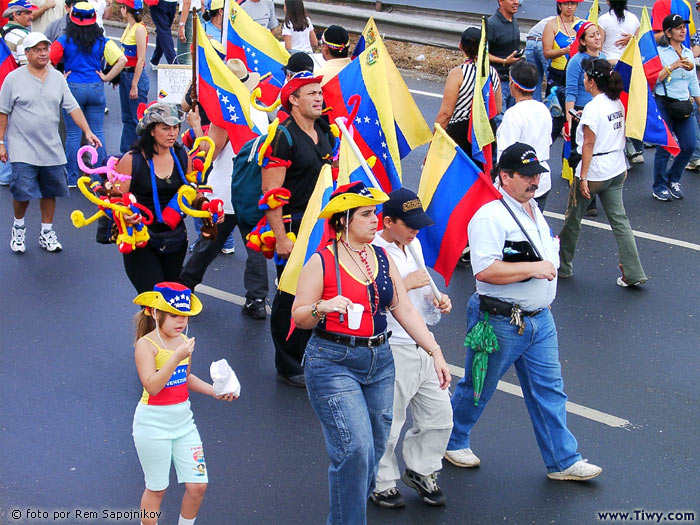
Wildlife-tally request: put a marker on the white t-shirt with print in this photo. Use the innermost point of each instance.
(605, 118)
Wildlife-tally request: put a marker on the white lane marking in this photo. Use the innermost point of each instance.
(641, 235)
(572, 408)
(426, 93)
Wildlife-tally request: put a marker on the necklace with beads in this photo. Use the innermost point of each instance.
(368, 270)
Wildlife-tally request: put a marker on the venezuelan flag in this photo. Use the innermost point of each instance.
(370, 34)
(314, 233)
(593, 12)
(483, 107)
(7, 61)
(254, 45)
(372, 115)
(647, 47)
(224, 98)
(642, 118)
(567, 172)
(452, 189)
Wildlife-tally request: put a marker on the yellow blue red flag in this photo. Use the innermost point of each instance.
(483, 107)
(647, 47)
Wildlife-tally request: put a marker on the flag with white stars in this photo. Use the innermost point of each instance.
(648, 50)
(224, 97)
(255, 45)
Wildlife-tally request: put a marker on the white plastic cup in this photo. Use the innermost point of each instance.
(355, 315)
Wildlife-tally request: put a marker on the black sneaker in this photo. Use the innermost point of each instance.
(255, 308)
(389, 498)
(426, 486)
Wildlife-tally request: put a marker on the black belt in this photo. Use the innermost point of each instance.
(535, 38)
(497, 307)
(351, 339)
(129, 69)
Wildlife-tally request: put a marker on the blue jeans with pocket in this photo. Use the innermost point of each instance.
(535, 56)
(130, 106)
(684, 130)
(351, 389)
(92, 101)
(535, 355)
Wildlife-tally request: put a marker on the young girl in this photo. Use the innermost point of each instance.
(297, 30)
(164, 429)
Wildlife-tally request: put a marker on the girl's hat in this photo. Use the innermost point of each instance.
(83, 14)
(351, 196)
(136, 5)
(300, 79)
(579, 34)
(216, 4)
(173, 298)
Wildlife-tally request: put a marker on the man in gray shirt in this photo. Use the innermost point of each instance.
(31, 99)
(262, 11)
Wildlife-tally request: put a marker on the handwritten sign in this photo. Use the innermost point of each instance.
(173, 81)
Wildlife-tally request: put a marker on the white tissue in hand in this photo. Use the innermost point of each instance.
(224, 378)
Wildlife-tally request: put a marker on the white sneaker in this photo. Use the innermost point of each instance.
(48, 240)
(579, 471)
(462, 458)
(17, 241)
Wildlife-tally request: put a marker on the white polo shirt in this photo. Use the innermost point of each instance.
(528, 122)
(491, 230)
(405, 264)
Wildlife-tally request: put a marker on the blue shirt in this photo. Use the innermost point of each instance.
(681, 84)
(212, 31)
(575, 92)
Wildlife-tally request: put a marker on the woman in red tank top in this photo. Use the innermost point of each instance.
(350, 371)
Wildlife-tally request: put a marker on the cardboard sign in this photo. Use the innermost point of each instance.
(173, 81)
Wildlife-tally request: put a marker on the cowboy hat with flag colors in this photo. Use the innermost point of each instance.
(224, 97)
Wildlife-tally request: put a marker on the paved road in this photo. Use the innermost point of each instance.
(68, 384)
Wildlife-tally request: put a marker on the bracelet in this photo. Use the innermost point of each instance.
(668, 69)
(2, 142)
(583, 179)
(315, 313)
(432, 350)
(182, 24)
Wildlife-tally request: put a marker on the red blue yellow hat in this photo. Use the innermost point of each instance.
(136, 5)
(349, 196)
(300, 79)
(173, 298)
(83, 14)
(18, 6)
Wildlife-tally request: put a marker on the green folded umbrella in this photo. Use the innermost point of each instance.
(483, 341)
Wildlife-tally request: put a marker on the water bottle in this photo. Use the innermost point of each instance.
(431, 313)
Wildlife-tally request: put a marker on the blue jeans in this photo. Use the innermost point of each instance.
(92, 100)
(536, 358)
(129, 106)
(696, 123)
(351, 389)
(507, 101)
(535, 56)
(163, 14)
(684, 130)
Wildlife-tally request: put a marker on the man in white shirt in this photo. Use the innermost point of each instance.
(416, 384)
(529, 122)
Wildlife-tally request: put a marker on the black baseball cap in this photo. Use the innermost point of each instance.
(405, 205)
(673, 21)
(299, 62)
(470, 34)
(521, 158)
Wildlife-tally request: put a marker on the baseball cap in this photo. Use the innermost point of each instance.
(136, 5)
(521, 158)
(405, 205)
(673, 21)
(158, 112)
(299, 62)
(471, 34)
(33, 39)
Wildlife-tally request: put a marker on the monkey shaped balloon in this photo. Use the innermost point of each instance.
(109, 171)
(188, 201)
(201, 161)
(115, 205)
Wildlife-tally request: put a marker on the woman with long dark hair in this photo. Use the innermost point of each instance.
(297, 29)
(602, 171)
(344, 293)
(157, 165)
(676, 84)
(82, 48)
(134, 83)
(458, 96)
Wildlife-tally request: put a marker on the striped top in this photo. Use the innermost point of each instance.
(128, 42)
(175, 390)
(463, 108)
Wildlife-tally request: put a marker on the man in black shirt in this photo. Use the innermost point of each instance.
(295, 167)
(503, 36)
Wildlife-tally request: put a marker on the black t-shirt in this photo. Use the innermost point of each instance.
(504, 38)
(307, 160)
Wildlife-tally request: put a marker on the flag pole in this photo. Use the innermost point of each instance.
(365, 167)
(195, 30)
(227, 15)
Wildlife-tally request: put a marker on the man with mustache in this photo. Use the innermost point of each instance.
(514, 259)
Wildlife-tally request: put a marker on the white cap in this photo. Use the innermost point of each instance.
(34, 38)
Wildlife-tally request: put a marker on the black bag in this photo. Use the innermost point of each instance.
(168, 242)
(106, 231)
(676, 109)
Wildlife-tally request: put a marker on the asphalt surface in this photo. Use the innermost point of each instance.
(68, 384)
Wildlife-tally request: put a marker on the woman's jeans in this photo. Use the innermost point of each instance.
(535, 56)
(684, 130)
(130, 106)
(351, 389)
(92, 100)
(610, 194)
(535, 355)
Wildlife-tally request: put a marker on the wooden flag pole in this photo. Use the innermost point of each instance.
(365, 167)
